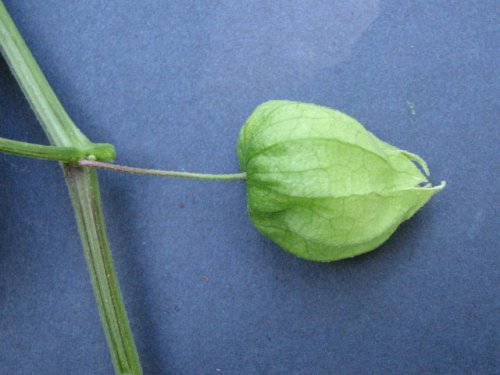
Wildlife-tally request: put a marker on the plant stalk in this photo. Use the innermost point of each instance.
(162, 173)
(101, 151)
(84, 189)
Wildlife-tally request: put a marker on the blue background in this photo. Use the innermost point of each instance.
(170, 84)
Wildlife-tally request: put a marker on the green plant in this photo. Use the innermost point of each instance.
(319, 184)
(322, 186)
(84, 189)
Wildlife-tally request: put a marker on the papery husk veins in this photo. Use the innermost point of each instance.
(322, 186)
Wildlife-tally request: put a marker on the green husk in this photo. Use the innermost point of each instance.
(322, 186)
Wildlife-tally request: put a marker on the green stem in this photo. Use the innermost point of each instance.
(101, 151)
(57, 124)
(84, 189)
(161, 173)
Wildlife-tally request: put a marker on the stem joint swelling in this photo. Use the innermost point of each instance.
(64, 154)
